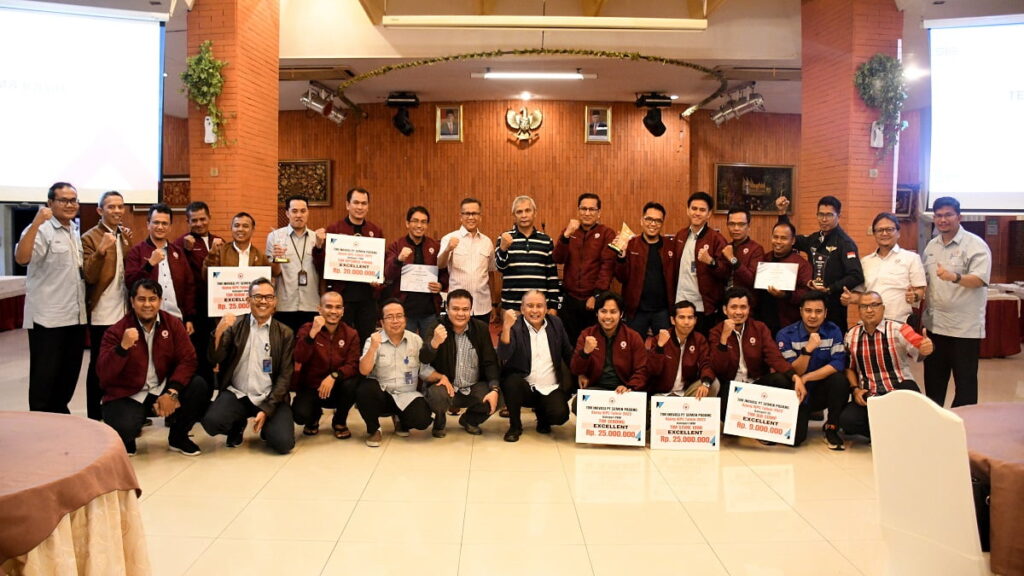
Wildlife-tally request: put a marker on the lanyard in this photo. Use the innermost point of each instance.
(302, 254)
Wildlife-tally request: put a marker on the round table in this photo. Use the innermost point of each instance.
(995, 446)
(68, 498)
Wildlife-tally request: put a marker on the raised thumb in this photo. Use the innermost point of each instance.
(924, 332)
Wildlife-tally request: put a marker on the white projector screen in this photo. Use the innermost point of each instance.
(977, 116)
(80, 101)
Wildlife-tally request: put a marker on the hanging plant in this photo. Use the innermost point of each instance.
(203, 84)
(880, 83)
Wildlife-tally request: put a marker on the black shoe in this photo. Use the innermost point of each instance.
(832, 438)
(184, 445)
(818, 415)
(513, 434)
(130, 448)
(147, 422)
(439, 433)
(543, 428)
(767, 442)
(473, 429)
(235, 438)
(400, 431)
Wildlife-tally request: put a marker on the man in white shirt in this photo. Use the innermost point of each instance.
(468, 254)
(291, 248)
(55, 313)
(255, 357)
(104, 249)
(893, 272)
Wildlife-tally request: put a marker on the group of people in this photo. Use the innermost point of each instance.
(688, 320)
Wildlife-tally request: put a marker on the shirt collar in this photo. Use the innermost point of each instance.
(246, 251)
(543, 326)
(895, 250)
(958, 238)
(292, 230)
(253, 323)
(462, 232)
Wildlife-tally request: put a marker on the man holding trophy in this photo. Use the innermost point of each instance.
(644, 267)
(832, 254)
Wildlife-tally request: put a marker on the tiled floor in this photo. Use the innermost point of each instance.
(477, 505)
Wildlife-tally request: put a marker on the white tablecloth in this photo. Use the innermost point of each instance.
(11, 286)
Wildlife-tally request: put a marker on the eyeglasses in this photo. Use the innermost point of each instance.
(826, 215)
(588, 209)
(870, 306)
(263, 297)
(736, 224)
(649, 220)
(470, 214)
(394, 317)
(66, 201)
(885, 230)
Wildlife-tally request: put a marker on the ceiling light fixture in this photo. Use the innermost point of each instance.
(490, 75)
(739, 104)
(403, 101)
(654, 102)
(320, 99)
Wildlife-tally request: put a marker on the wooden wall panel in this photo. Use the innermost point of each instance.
(175, 146)
(753, 139)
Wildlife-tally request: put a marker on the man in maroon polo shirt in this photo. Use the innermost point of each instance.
(779, 308)
(588, 264)
(610, 355)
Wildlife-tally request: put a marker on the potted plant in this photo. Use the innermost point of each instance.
(203, 84)
(880, 83)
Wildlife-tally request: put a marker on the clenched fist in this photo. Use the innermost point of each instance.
(129, 338)
(440, 335)
(728, 327)
(226, 321)
(589, 344)
(404, 254)
(42, 215)
(453, 243)
(157, 257)
(318, 324)
(813, 341)
(572, 227)
(105, 244)
(189, 241)
(663, 337)
(705, 254)
(782, 203)
(216, 244)
(506, 241)
(321, 237)
(510, 317)
(728, 252)
(375, 340)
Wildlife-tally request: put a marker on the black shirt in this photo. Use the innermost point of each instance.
(653, 296)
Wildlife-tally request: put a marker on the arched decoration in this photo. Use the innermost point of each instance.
(635, 56)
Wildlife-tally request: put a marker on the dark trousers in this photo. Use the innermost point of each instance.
(552, 410)
(228, 414)
(127, 415)
(55, 359)
(477, 411)
(833, 393)
(836, 313)
(956, 355)
(485, 318)
(854, 419)
(93, 393)
(575, 317)
(422, 325)
(307, 406)
(373, 403)
(775, 380)
(707, 320)
(202, 327)
(643, 321)
(362, 316)
(294, 320)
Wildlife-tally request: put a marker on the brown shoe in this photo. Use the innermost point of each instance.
(374, 440)
(341, 432)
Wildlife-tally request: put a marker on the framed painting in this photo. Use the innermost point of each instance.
(448, 124)
(752, 186)
(309, 178)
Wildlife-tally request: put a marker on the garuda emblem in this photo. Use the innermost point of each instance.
(523, 123)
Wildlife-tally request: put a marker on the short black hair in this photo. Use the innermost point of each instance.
(657, 206)
(293, 198)
(588, 196)
(787, 224)
(415, 209)
(682, 305)
(351, 191)
(833, 202)
(604, 297)
(470, 200)
(160, 208)
(245, 215)
(814, 296)
(703, 196)
(946, 201)
(259, 281)
(458, 293)
(734, 293)
(738, 210)
(148, 284)
(388, 302)
(885, 216)
(108, 194)
(52, 193)
(196, 206)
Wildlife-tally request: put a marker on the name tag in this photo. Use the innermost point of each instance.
(303, 278)
(267, 366)
(409, 378)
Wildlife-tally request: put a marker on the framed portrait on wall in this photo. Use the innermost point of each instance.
(597, 127)
(449, 124)
(752, 186)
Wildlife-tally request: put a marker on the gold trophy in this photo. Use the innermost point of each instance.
(625, 235)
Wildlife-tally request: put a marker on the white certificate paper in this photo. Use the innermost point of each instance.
(778, 275)
(354, 258)
(229, 288)
(683, 423)
(605, 417)
(761, 412)
(417, 277)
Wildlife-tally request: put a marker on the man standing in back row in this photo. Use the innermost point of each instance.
(588, 264)
(525, 259)
(702, 270)
(958, 265)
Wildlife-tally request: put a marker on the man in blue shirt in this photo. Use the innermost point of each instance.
(814, 346)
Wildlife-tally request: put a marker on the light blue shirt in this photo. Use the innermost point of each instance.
(250, 380)
(955, 310)
(54, 288)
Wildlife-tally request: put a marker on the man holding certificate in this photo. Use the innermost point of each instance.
(610, 355)
(410, 268)
(814, 346)
(778, 305)
(744, 351)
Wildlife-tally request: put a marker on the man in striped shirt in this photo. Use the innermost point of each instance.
(525, 258)
(880, 353)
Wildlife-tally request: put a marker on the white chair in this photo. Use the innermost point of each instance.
(923, 480)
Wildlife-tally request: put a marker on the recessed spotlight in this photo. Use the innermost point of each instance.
(525, 96)
(674, 96)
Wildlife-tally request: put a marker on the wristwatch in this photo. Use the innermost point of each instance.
(335, 375)
(734, 261)
(957, 279)
(172, 393)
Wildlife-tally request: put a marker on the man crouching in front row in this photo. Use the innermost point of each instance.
(255, 357)
(147, 367)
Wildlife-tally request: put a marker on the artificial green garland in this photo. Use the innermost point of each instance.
(880, 83)
(203, 84)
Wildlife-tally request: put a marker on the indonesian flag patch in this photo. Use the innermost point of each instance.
(851, 254)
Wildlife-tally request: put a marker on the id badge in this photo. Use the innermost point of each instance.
(409, 379)
(303, 278)
(267, 365)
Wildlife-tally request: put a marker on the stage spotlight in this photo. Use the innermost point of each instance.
(654, 102)
(402, 123)
(653, 123)
(402, 101)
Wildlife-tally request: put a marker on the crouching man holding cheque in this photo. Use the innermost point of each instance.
(147, 366)
(610, 355)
